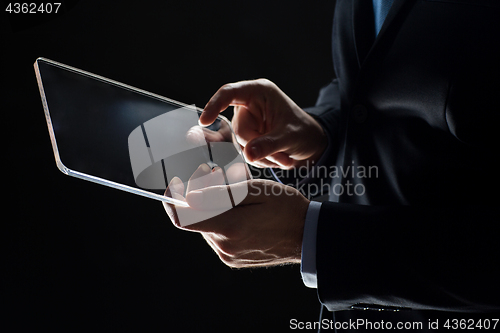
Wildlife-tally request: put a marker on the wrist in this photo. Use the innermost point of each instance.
(301, 214)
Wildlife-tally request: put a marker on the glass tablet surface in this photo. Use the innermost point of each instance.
(123, 137)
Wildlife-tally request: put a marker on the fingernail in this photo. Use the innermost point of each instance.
(176, 185)
(176, 181)
(205, 168)
(199, 120)
(254, 153)
(195, 198)
(201, 124)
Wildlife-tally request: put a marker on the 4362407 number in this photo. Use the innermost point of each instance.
(32, 8)
(471, 324)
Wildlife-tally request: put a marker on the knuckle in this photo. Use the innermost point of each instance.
(268, 87)
(226, 88)
(265, 82)
(225, 259)
(229, 261)
(226, 247)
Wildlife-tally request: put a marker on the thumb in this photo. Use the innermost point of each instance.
(270, 144)
(213, 198)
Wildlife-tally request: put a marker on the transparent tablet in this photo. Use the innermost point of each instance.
(116, 135)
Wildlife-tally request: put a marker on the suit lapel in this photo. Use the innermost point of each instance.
(355, 49)
(343, 47)
(364, 27)
(391, 16)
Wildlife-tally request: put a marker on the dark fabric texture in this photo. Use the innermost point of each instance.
(419, 105)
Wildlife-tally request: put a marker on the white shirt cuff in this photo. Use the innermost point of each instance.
(308, 261)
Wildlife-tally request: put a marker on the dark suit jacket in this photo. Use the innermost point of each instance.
(420, 103)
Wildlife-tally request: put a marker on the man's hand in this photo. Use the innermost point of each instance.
(265, 229)
(272, 130)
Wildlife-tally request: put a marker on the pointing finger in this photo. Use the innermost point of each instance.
(239, 93)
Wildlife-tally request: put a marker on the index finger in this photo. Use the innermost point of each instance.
(238, 93)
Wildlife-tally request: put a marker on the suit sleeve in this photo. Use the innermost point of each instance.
(327, 111)
(439, 258)
(442, 256)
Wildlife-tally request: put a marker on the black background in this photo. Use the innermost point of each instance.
(76, 254)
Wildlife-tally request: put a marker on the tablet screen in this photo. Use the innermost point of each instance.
(127, 138)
